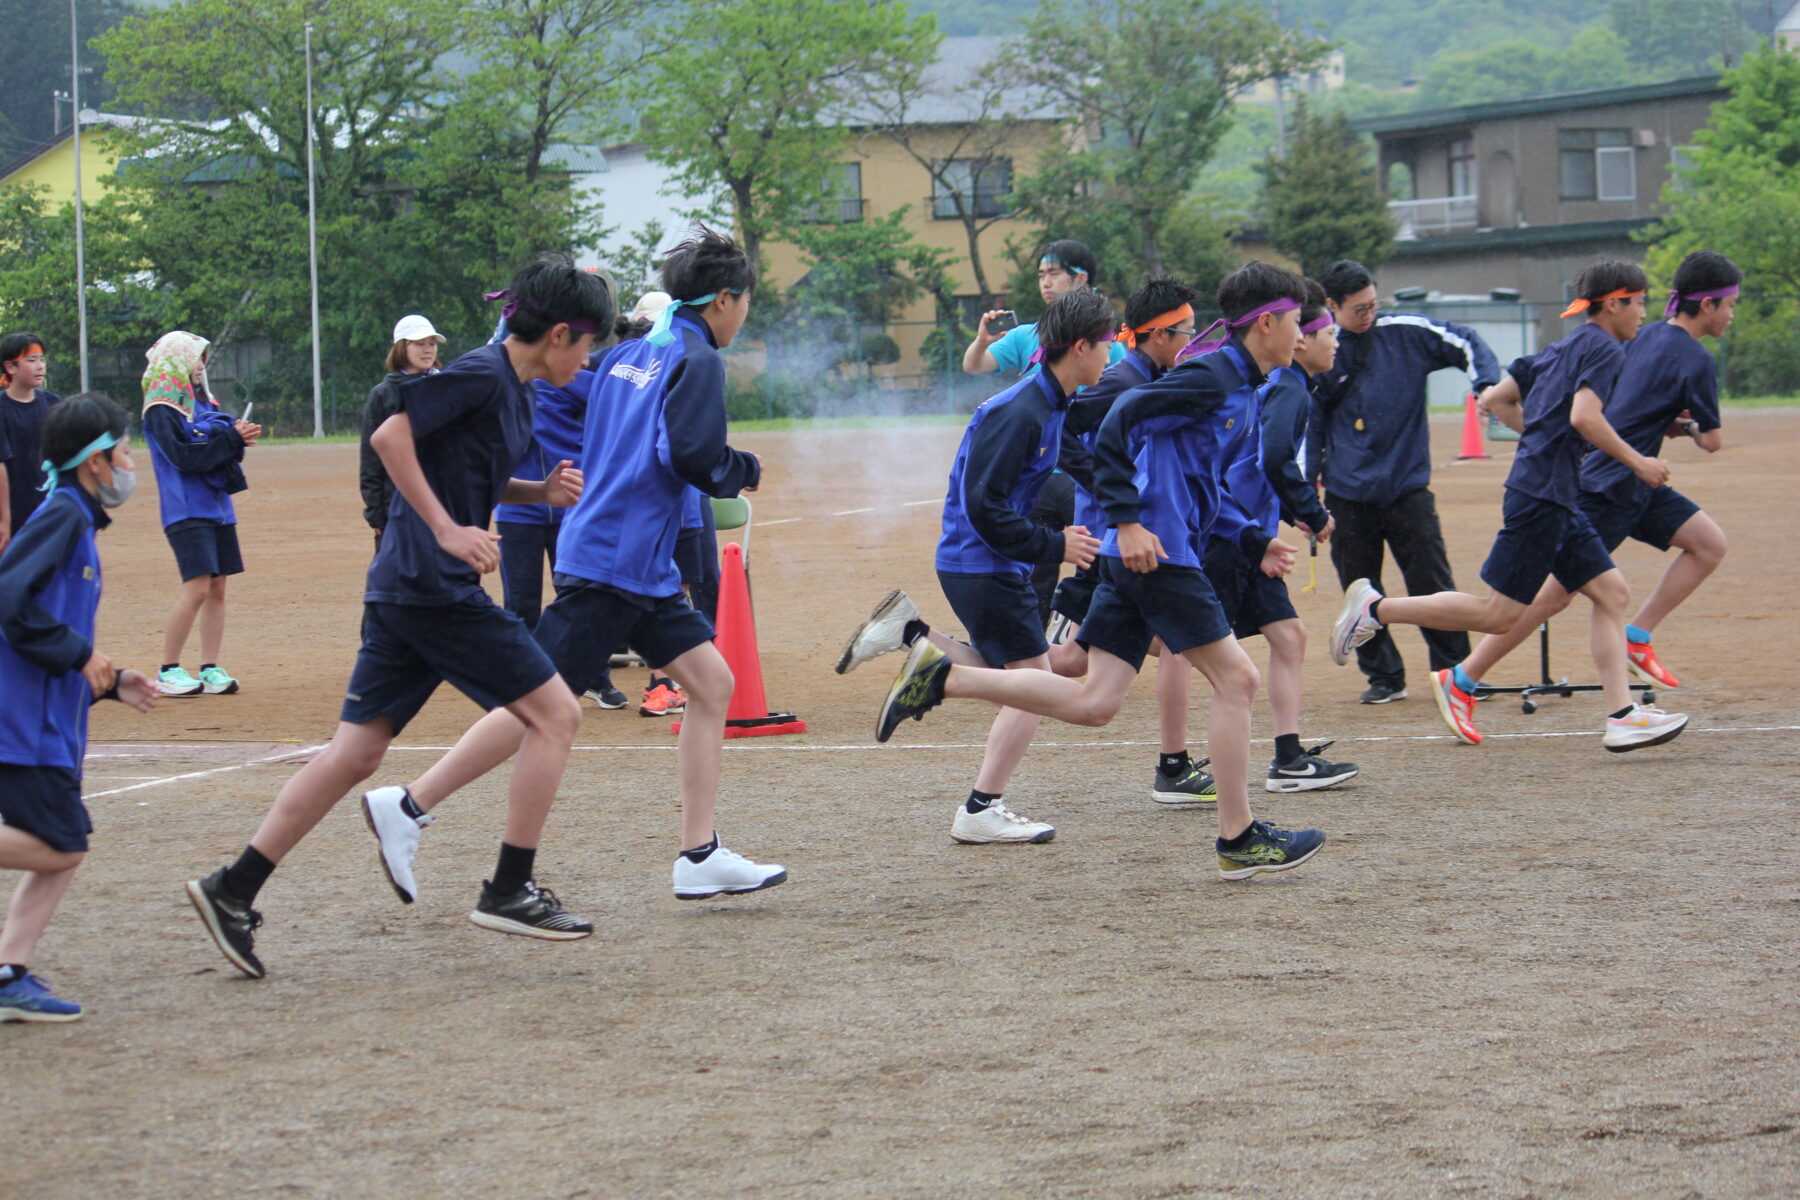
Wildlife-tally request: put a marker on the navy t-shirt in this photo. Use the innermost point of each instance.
(471, 425)
(1667, 371)
(1548, 462)
(21, 450)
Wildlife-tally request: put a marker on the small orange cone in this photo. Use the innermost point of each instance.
(748, 715)
(1472, 446)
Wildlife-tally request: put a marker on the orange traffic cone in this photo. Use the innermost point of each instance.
(1472, 446)
(749, 714)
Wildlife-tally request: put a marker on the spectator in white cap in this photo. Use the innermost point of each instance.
(414, 352)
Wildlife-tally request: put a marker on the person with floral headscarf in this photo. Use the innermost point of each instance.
(197, 450)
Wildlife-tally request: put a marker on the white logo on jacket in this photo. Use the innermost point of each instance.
(637, 376)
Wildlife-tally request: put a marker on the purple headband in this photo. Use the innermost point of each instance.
(1323, 321)
(514, 303)
(1675, 297)
(1044, 352)
(1205, 343)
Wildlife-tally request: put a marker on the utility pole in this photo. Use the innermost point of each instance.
(80, 245)
(1280, 107)
(312, 244)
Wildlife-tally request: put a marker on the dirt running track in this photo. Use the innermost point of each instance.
(1529, 969)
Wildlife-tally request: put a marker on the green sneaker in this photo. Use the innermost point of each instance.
(217, 682)
(1268, 849)
(177, 682)
(1191, 789)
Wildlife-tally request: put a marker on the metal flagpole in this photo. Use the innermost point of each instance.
(312, 245)
(80, 247)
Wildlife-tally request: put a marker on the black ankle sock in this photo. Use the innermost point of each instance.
(980, 800)
(409, 806)
(1287, 747)
(1175, 765)
(170, 666)
(11, 973)
(208, 666)
(245, 877)
(1623, 712)
(514, 869)
(1238, 842)
(915, 629)
(1375, 611)
(701, 853)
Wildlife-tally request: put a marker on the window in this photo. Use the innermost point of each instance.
(1597, 164)
(844, 202)
(1462, 167)
(1681, 160)
(984, 185)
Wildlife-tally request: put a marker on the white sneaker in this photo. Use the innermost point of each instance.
(997, 824)
(882, 632)
(398, 836)
(724, 873)
(1644, 725)
(1354, 625)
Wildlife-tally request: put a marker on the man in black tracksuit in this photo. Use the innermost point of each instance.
(1370, 432)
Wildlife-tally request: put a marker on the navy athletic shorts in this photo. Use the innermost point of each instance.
(1175, 604)
(1538, 540)
(1076, 593)
(46, 803)
(204, 547)
(587, 621)
(1653, 521)
(1000, 614)
(479, 648)
(1249, 599)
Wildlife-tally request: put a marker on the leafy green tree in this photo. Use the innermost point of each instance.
(1153, 86)
(1515, 67)
(1670, 38)
(1738, 194)
(37, 64)
(746, 103)
(1322, 202)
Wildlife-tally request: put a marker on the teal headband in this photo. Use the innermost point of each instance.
(663, 332)
(105, 441)
(1050, 260)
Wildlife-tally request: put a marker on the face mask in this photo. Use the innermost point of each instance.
(113, 494)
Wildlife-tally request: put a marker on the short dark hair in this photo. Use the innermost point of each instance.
(627, 330)
(1073, 255)
(1255, 284)
(77, 421)
(552, 290)
(1081, 315)
(1701, 271)
(704, 263)
(1345, 277)
(1314, 304)
(1606, 276)
(13, 345)
(1156, 298)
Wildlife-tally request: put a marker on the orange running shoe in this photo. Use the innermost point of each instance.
(1456, 706)
(1644, 665)
(662, 699)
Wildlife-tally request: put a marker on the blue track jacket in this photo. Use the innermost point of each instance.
(1007, 453)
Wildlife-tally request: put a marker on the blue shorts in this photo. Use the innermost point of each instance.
(1654, 520)
(1175, 604)
(588, 621)
(1249, 599)
(483, 651)
(204, 547)
(1075, 594)
(1538, 540)
(1000, 614)
(46, 803)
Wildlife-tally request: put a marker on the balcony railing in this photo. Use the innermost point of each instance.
(978, 204)
(1442, 214)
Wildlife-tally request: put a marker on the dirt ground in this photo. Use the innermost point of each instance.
(1528, 969)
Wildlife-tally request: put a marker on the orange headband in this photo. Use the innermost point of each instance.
(27, 352)
(1583, 305)
(1168, 320)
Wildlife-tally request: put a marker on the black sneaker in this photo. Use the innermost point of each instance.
(531, 911)
(607, 696)
(1381, 693)
(1192, 788)
(231, 922)
(1269, 849)
(918, 690)
(1308, 773)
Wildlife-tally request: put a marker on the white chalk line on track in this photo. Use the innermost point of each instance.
(186, 775)
(848, 512)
